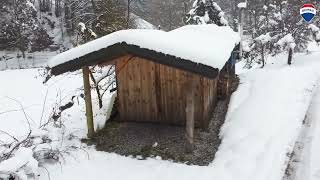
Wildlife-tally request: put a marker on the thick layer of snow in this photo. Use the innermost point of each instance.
(242, 5)
(206, 44)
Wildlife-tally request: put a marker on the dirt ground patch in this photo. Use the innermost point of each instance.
(143, 140)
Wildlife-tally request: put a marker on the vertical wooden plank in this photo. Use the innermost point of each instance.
(121, 87)
(175, 98)
(87, 96)
(206, 103)
(135, 83)
(153, 98)
(170, 95)
(130, 116)
(120, 93)
(184, 81)
(177, 94)
(190, 108)
(158, 97)
(145, 92)
(137, 74)
(163, 76)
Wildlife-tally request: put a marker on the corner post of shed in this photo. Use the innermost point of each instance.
(190, 100)
(88, 101)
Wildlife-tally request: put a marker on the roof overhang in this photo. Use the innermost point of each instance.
(120, 49)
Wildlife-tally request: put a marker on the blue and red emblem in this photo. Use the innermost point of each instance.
(308, 11)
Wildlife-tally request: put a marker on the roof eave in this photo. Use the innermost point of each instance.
(121, 49)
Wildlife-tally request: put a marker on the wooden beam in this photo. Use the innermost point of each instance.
(87, 97)
(190, 100)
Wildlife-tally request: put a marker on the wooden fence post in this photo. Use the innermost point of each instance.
(87, 97)
(190, 114)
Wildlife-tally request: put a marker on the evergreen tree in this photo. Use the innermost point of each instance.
(21, 28)
(206, 12)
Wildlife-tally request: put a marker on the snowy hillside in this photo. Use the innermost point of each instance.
(264, 121)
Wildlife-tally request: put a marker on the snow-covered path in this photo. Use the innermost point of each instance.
(305, 160)
(300, 158)
(314, 163)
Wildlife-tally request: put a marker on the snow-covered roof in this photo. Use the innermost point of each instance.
(209, 45)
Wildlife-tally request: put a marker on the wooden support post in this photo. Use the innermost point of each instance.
(87, 97)
(190, 114)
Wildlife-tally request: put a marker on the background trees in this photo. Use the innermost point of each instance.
(206, 12)
(34, 25)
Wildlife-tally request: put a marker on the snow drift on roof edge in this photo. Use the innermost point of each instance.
(206, 44)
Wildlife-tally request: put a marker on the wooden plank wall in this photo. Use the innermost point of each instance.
(151, 92)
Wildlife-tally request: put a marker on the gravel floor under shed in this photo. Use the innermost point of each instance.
(142, 140)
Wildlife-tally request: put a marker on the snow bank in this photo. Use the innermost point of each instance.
(206, 44)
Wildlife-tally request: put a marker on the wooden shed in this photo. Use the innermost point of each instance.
(157, 87)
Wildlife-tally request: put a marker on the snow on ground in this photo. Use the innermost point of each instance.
(14, 60)
(191, 42)
(305, 164)
(263, 122)
(25, 86)
(314, 157)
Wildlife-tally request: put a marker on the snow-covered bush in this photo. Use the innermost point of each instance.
(315, 32)
(287, 43)
(206, 12)
(21, 158)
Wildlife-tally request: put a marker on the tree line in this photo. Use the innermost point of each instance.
(270, 26)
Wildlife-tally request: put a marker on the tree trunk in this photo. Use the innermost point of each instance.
(290, 56)
(128, 14)
(262, 55)
(97, 89)
(87, 97)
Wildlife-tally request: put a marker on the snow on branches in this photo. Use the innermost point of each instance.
(286, 42)
(206, 12)
(315, 32)
(85, 34)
